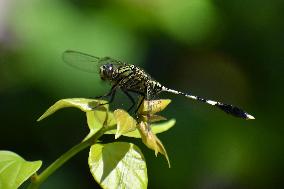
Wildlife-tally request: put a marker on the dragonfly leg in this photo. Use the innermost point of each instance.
(111, 94)
(140, 103)
(149, 108)
(113, 88)
(131, 98)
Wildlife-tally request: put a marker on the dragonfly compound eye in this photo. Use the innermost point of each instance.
(103, 72)
(106, 71)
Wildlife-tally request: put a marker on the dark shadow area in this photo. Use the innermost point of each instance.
(112, 158)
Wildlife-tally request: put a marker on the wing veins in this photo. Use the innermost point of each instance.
(81, 61)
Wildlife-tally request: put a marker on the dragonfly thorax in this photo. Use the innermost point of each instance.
(106, 71)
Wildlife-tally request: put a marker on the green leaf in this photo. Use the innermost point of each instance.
(162, 127)
(152, 141)
(96, 120)
(14, 170)
(156, 129)
(118, 165)
(125, 123)
(81, 103)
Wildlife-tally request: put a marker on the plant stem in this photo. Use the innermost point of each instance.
(39, 179)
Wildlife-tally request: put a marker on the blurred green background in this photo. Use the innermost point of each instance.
(230, 51)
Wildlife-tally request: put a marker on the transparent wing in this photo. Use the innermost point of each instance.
(86, 62)
(82, 61)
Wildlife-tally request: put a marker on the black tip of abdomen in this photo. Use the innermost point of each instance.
(235, 111)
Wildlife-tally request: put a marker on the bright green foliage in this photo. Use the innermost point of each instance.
(118, 165)
(83, 104)
(96, 120)
(125, 123)
(113, 165)
(156, 128)
(152, 141)
(14, 170)
(147, 114)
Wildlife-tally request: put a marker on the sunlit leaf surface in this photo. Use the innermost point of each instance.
(97, 119)
(81, 103)
(152, 141)
(14, 170)
(125, 123)
(153, 106)
(156, 128)
(118, 165)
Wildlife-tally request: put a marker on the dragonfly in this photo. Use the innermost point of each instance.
(131, 78)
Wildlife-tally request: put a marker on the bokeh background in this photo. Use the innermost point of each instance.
(230, 51)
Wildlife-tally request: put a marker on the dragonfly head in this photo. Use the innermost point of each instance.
(106, 71)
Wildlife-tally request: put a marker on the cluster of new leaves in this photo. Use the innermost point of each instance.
(113, 165)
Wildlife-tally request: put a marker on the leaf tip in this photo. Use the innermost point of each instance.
(168, 160)
(40, 118)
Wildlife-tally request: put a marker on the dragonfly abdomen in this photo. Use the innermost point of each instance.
(230, 109)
